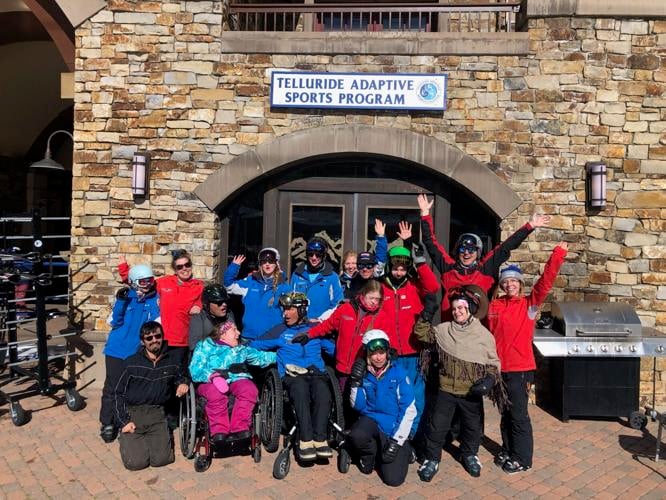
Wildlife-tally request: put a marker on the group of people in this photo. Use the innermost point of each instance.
(404, 380)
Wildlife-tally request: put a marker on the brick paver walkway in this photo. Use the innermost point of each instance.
(59, 454)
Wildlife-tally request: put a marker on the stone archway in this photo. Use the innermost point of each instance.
(433, 154)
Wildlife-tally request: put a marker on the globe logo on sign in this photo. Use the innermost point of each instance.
(428, 91)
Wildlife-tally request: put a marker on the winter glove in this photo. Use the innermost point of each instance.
(430, 305)
(418, 255)
(123, 293)
(483, 386)
(220, 383)
(237, 368)
(301, 338)
(390, 451)
(357, 373)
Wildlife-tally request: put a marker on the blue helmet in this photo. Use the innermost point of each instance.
(318, 245)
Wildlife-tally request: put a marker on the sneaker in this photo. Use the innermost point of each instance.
(322, 449)
(501, 457)
(513, 467)
(428, 470)
(366, 465)
(108, 433)
(472, 465)
(306, 451)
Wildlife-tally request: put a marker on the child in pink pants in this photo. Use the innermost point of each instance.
(218, 364)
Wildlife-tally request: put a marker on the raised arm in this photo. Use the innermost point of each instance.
(491, 263)
(233, 286)
(438, 254)
(542, 287)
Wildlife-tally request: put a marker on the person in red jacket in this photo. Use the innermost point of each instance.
(469, 267)
(407, 281)
(180, 297)
(511, 319)
(351, 320)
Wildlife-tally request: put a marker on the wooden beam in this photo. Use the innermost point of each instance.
(58, 27)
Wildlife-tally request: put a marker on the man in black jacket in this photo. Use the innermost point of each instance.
(146, 384)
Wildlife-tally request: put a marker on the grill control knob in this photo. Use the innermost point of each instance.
(590, 348)
(618, 348)
(632, 348)
(660, 348)
(604, 348)
(575, 348)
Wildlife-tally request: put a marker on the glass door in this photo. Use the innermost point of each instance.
(304, 215)
(390, 209)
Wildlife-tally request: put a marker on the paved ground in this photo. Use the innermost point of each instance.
(58, 453)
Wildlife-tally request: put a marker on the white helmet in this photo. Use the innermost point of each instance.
(376, 339)
(139, 272)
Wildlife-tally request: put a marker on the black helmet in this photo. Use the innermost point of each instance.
(214, 293)
(295, 299)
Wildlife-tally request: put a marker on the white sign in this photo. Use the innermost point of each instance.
(296, 89)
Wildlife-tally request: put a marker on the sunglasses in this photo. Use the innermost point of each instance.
(365, 266)
(467, 249)
(220, 303)
(180, 267)
(267, 260)
(145, 281)
(149, 338)
(315, 254)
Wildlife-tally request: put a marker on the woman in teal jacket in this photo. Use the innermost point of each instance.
(217, 354)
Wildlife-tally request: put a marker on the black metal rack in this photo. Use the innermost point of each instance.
(19, 371)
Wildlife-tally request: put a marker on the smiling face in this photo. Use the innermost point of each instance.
(152, 341)
(467, 255)
(183, 268)
(366, 271)
(512, 287)
(460, 311)
(315, 258)
(349, 265)
(230, 336)
(378, 358)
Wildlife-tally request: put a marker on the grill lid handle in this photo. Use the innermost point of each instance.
(615, 333)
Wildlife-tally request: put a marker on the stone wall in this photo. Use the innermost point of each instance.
(153, 76)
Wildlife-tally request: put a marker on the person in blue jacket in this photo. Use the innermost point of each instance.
(134, 306)
(384, 396)
(260, 290)
(303, 374)
(317, 279)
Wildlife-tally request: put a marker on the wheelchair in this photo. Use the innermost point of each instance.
(195, 437)
(278, 419)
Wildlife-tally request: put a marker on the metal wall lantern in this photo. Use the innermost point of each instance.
(140, 176)
(47, 162)
(595, 185)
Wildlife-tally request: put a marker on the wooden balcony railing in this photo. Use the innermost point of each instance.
(504, 16)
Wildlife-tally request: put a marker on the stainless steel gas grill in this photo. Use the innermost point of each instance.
(589, 363)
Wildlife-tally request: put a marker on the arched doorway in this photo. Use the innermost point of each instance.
(338, 179)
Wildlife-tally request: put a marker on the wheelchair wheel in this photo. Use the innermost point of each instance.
(187, 423)
(344, 461)
(282, 464)
(256, 453)
(637, 420)
(202, 463)
(337, 408)
(271, 410)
